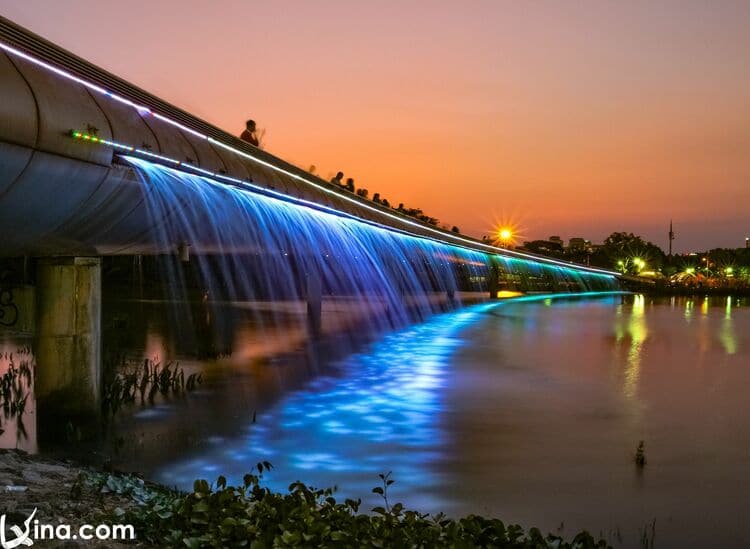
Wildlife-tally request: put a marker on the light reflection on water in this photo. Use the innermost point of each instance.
(530, 412)
(688, 309)
(634, 332)
(727, 334)
(548, 426)
(383, 413)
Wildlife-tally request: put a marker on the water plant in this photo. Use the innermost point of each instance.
(648, 535)
(640, 455)
(383, 491)
(142, 381)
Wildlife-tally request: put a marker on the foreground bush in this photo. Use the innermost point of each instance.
(255, 517)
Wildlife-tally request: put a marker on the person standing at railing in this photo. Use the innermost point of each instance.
(250, 135)
(338, 179)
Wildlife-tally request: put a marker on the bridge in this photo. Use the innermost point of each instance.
(68, 196)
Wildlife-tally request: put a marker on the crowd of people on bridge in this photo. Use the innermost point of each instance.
(251, 135)
(417, 213)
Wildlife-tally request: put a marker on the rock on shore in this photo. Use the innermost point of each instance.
(59, 493)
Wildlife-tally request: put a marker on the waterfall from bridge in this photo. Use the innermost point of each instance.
(258, 248)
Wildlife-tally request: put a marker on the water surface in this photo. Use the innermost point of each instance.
(530, 411)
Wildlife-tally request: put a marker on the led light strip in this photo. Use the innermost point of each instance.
(258, 189)
(278, 195)
(142, 110)
(573, 295)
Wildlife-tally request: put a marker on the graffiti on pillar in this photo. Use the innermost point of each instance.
(17, 397)
(8, 309)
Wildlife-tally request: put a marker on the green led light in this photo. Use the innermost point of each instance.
(88, 137)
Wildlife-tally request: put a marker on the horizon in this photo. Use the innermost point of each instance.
(533, 109)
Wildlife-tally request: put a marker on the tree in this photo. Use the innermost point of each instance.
(629, 253)
(544, 247)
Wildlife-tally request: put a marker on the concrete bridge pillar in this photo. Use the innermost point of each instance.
(68, 347)
(450, 295)
(314, 302)
(493, 279)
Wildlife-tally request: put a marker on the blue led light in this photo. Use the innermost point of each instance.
(250, 190)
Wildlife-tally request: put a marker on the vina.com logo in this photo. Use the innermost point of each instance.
(33, 530)
(22, 536)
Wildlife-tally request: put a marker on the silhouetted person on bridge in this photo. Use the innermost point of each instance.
(338, 179)
(251, 133)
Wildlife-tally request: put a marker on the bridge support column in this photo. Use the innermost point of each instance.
(314, 302)
(493, 280)
(68, 348)
(450, 294)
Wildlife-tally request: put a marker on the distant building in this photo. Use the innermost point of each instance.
(556, 239)
(544, 247)
(577, 243)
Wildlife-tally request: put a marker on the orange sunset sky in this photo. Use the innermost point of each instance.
(570, 118)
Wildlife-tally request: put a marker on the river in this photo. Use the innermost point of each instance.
(528, 410)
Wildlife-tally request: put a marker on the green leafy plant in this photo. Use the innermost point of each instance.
(251, 515)
(143, 381)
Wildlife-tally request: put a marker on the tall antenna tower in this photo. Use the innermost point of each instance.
(671, 237)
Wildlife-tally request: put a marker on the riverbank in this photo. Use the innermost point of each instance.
(61, 493)
(667, 291)
(226, 516)
(664, 289)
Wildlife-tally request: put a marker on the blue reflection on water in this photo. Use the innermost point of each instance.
(382, 413)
